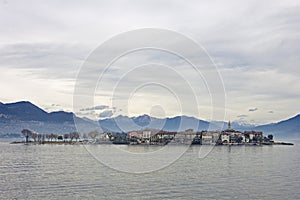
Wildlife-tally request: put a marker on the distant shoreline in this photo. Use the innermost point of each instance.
(89, 143)
(49, 142)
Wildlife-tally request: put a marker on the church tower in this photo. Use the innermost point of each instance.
(229, 125)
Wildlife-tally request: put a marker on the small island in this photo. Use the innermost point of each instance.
(155, 137)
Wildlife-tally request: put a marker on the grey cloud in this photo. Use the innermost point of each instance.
(44, 60)
(242, 116)
(91, 113)
(100, 107)
(271, 112)
(106, 113)
(253, 109)
(258, 49)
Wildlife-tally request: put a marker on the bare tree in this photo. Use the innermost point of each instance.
(27, 134)
(77, 136)
(34, 136)
(53, 136)
(66, 136)
(85, 136)
(39, 136)
(72, 136)
(93, 134)
(48, 136)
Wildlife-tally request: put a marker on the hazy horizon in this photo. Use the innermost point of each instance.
(158, 117)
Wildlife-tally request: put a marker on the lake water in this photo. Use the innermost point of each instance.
(71, 172)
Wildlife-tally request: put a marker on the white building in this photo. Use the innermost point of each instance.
(225, 137)
(146, 134)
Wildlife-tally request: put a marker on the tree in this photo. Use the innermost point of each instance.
(43, 137)
(77, 136)
(74, 135)
(270, 137)
(239, 139)
(48, 136)
(34, 136)
(93, 134)
(26, 133)
(40, 137)
(52, 136)
(66, 136)
(84, 136)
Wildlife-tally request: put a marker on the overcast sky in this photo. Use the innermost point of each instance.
(255, 45)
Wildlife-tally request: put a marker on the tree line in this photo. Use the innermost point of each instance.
(73, 136)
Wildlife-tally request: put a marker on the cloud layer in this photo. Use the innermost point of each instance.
(254, 44)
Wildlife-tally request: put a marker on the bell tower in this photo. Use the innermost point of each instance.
(229, 125)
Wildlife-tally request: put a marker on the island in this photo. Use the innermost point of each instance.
(147, 136)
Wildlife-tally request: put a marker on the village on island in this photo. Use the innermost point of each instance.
(147, 136)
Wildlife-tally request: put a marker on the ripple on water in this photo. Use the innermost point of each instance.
(68, 172)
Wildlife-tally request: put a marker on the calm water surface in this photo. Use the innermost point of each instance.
(70, 172)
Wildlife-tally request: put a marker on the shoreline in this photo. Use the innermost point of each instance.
(111, 143)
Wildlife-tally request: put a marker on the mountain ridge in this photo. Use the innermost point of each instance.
(24, 114)
(288, 127)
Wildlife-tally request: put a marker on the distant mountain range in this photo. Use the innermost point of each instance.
(16, 116)
(286, 128)
(125, 123)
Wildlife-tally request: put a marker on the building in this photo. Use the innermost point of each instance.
(146, 134)
(253, 136)
(207, 139)
(232, 136)
(135, 134)
(225, 138)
